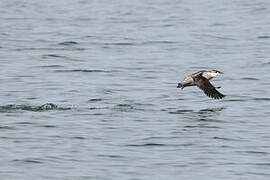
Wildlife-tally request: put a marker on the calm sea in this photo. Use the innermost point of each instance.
(88, 90)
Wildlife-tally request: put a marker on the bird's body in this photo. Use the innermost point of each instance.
(201, 79)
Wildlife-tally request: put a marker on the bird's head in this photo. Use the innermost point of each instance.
(215, 73)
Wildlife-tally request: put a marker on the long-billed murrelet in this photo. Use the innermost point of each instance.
(201, 79)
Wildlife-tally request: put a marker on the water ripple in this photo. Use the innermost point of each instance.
(146, 144)
(181, 111)
(123, 107)
(200, 112)
(95, 100)
(44, 107)
(51, 66)
(53, 55)
(29, 161)
(7, 127)
(261, 99)
(47, 126)
(68, 43)
(235, 100)
(256, 152)
(202, 126)
(263, 37)
(83, 70)
(250, 78)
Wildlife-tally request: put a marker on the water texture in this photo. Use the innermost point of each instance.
(88, 90)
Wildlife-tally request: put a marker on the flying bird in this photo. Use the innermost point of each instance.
(201, 79)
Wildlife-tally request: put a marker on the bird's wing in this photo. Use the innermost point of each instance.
(207, 87)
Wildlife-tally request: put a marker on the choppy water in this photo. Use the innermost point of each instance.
(88, 90)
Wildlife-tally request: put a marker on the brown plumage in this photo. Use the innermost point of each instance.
(201, 79)
(207, 87)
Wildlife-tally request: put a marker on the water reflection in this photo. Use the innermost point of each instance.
(204, 118)
(209, 113)
(202, 112)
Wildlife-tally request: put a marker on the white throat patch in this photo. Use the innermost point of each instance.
(213, 74)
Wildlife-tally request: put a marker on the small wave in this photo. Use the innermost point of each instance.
(29, 161)
(94, 100)
(208, 120)
(82, 70)
(158, 42)
(225, 139)
(52, 55)
(7, 127)
(51, 66)
(132, 107)
(206, 111)
(47, 49)
(202, 126)
(25, 123)
(67, 43)
(123, 44)
(107, 45)
(47, 126)
(210, 110)
(256, 152)
(78, 137)
(262, 164)
(249, 78)
(266, 64)
(213, 36)
(263, 37)
(44, 107)
(110, 156)
(150, 77)
(261, 99)
(167, 25)
(146, 144)
(124, 107)
(181, 111)
(97, 108)
(218, 24)
(87, 70)
(235, 100)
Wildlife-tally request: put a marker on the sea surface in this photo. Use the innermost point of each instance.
(88, 90)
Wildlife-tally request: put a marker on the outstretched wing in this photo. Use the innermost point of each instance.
(207, 87)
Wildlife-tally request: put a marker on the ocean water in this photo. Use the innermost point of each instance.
(88, 90)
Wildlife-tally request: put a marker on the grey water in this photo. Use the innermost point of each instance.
(88, 90)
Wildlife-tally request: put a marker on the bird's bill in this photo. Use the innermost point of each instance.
(180, 86)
